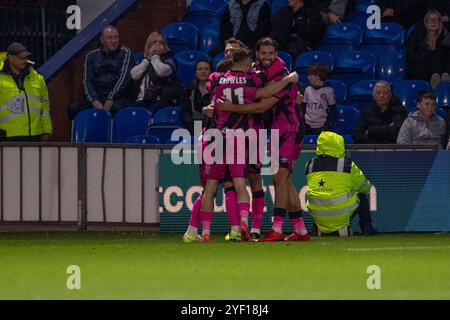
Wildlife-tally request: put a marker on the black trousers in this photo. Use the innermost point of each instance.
(363, 210)
(84, 104)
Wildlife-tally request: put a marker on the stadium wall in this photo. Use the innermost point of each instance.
(134, 27)
(90, 186)
(410, 193)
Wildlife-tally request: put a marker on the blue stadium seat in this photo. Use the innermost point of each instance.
(354, 66)
(168, 116)
(138, 57)
(385, 40)
(361, 93)
(346, 119)
(202, 18)
(286, 57)
(276, 5)
(392, 67)
(358, 18)
(130, 122)
(180, 36)
(162, 132)
(309, 58)
(209, 40)
(147, 139)
(442, 92)
(219, 57)
(310, 139)
(340, 38)
(389, 33)
(361, 5)
(340, 90)
(186, 61)
(92, 125)
(217, 6)
(408, 91)
(348, 138)
(344, 33)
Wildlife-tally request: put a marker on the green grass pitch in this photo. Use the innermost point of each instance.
(161, 266)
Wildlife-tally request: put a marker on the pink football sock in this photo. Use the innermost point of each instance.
(206, 221)
(195, 214)
(278, 223)
(257, 212)
(299, 226)
(243, 208)
(232, 207)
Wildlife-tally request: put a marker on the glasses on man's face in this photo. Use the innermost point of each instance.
(433, 20)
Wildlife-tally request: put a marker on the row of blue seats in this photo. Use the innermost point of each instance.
(360, 94)
(96, 125)
(339, 38)
(349, 68)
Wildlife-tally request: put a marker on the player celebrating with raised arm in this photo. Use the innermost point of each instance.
(287, 119)
(242, 87)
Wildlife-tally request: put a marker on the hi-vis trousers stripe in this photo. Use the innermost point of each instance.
(352, 207)
(332, 201)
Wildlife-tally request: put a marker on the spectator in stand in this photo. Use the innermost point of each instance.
(447, 134)
(245, 20)
(297, 27)
(24, 105)
(196, 96)
(156, 75)
(404, 12)
(426, 54)
(332, 11)
(319, 102)
(443, 6)
(230, 45)
(106, 80)
(381, 121)
(423, 126)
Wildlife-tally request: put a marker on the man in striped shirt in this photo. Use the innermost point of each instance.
(106, 78)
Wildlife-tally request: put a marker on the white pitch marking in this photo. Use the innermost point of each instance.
(400, 248)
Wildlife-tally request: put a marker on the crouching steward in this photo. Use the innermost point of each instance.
(334, 183)
(24, 104)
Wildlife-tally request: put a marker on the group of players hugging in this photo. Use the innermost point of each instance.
(247, 95)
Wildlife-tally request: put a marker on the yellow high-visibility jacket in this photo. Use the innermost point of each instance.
(24, 108)
(334, 182)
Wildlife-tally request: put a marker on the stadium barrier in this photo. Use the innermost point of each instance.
(76, 187)
(52, 186)
(410, 193)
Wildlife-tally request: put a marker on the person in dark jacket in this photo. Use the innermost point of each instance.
(425, 53)
(404, 12)
(245, 20)
(156, 75)
(106, 79)
(381, 122)
(332, 11)
(297, 28)
(196, 96)
(443, 6)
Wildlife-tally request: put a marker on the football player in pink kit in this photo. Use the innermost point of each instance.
(241, 87)
(191, 234)
(287, 119)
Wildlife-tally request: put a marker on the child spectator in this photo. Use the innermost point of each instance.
(423, 126)
(319, 102)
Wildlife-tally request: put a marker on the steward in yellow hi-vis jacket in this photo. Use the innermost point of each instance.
(334, 183)
(24, 105)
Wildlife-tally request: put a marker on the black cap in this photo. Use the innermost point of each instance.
(19, 50)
